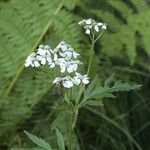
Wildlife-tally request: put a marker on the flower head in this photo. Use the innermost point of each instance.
(32, 60)
(66, 81)
(63, 56)
(91, 25)
(80, 79)
(44, 54)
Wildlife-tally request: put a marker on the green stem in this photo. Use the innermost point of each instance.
(70, 130)
(91, 56)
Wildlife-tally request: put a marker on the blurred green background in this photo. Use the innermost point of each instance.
(27, 96)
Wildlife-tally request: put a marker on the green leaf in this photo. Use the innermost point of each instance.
(119, 86)
(90, 87)
(38, 141)
(60, 140)
(100, 92)
(94, 91)
(109, 80)
(93, 103)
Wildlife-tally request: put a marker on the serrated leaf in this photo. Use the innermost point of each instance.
(107, 91)
(101, 92)
(90, 87)
(60, 140)
(109, 80)
(119, 86)
(92, 103)
(38, 141)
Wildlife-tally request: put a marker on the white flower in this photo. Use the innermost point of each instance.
(66, 51)
(75, 54)
(66, 81)
(44, 54)
(87, 31)
(62, 45)
(91, 25)
(80, 78)
(32, 60)
(96, 28)
(104, 26)
(69, 66)
(88, 21)
(62, 56)
(57, 80)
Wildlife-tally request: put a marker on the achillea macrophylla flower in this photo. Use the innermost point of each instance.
(69, 66)
(69, 82)
(80, 79)
(66, 51)
(91, 25)
(66, 81)
(64, 57)
(32, 60)
(44, 54)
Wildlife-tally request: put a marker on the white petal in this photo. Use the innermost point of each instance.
(52, 65)
(41, 51)
(55, 57)
(89, 21)
(32, 54)
(68, 55)
(100, 24)
(75, 67)
(57, 80)
(70, 68)
(87, 31)
(27, 64)
(63, 69)
(36, 63)
(43, 62)
(81, 22)
(85, 81)
(41, 46)
(39, 58)
(65, 84)
(49, 60)
(62, 46)
(68, 84)
(75, 54)
(47, 47)
(48, 53)
(62, 54)
(77, 81)
(96, 28)
(104, 27)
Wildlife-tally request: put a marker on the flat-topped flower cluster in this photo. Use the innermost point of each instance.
(90, 24)
(64, 57)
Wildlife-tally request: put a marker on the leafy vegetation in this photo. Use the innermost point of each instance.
(29, 101)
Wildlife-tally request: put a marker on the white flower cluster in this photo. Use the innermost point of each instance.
(62, 56)
(69, 82)
(90, 24)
